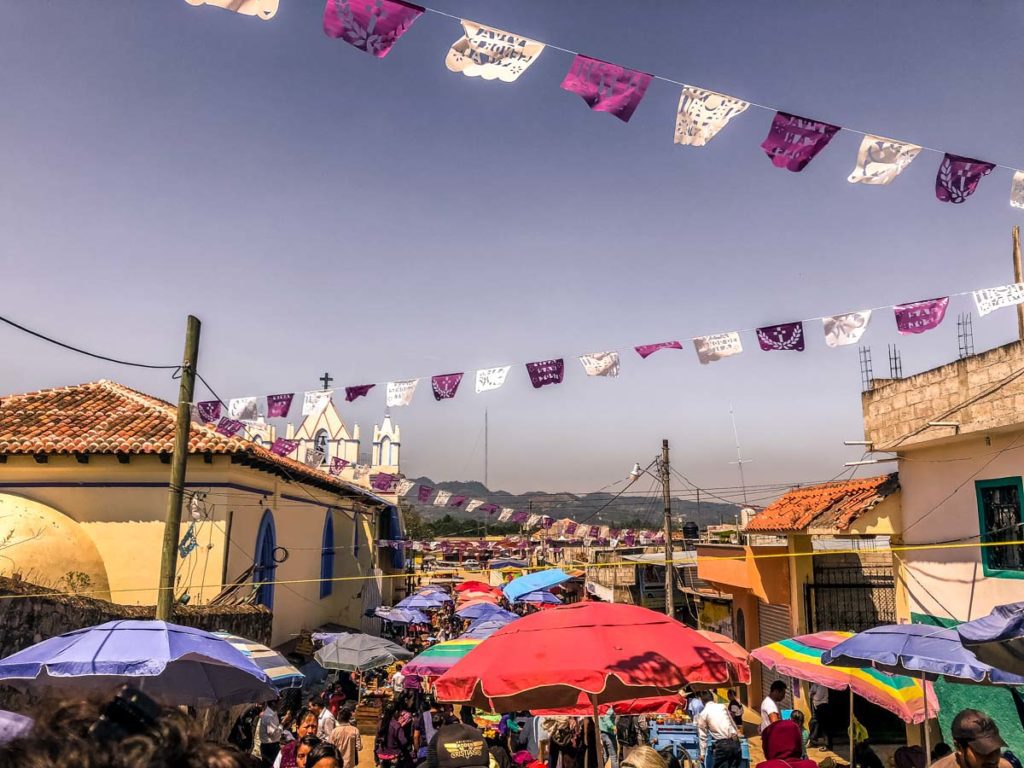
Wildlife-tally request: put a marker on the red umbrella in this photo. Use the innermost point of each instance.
(650, 705)
(476, 586)
(727, 647)
(610, 652)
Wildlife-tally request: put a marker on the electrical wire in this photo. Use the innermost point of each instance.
(81, 351)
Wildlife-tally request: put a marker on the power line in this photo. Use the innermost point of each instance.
(81, 351)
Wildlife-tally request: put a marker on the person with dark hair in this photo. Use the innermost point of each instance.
(735, 709)
(717, 736)
(269, 733)
(304, 746)
(287, 757)
(798, 717)
(770, 706)
(976, 742)
(323, 755)
(940, 750)
(345, 739)
(821, 717)
(129, 732)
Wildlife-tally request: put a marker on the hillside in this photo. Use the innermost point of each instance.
(636, 511)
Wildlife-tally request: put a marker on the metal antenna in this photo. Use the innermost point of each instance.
(740, 461)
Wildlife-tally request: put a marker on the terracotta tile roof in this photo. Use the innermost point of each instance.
(833, 506)
(108, 418)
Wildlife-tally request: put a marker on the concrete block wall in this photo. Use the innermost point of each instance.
(897, 412)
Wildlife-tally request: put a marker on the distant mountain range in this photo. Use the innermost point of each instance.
(624, 512)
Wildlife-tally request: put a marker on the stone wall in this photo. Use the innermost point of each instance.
(897, 412)
(29, 614)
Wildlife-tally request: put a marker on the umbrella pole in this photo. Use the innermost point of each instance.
(927, 735)
(852, 741)
(597, 733)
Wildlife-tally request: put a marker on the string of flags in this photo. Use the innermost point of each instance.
(564, 534)
(840, 330)
(793, 141)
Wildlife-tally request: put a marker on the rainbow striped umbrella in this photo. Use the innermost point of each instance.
(438, 659)
(800, 657)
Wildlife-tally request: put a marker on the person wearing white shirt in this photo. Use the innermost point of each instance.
(325, 722)
(269, 733)
(715, 727)
(770, 706)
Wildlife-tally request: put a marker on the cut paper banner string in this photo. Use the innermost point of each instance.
(404, 486)
(337, 465)
(442, 498)
(841, 330)
(229, 427)
(702, 114)
(456, 501)
(716, 346)
(570, 528)
(506, 515)
(384, 482)
(263, 9)
(354, 393)
(282, 447)
(958, 177)
(920, 316)
(532, 520)
(491, 378)
(546, 372)
(369, 25)
(793, 141)
(474, 505)
(313, 458)
(606, 87)
(400, 392)
(519, 517)
(491, 53)
(489, 509)
(646, 350)
(1017, 190)
(784, 337)
(423, 494)
(314, 401)
(446, 385)
(209, 411)
(881, 160)
(988, 300)
(601, 364)
(243, 409)
(279, 405)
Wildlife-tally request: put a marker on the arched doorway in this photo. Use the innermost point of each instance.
(265, 568)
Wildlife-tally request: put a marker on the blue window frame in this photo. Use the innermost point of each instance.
(327, 557)
(265, 567)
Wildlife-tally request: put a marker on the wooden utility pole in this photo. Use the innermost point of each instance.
(179, 460)
(666, 493)
(1018, 277)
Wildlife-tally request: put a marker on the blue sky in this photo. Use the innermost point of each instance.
(320, 209)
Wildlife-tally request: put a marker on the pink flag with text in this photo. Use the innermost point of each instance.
(606, 87)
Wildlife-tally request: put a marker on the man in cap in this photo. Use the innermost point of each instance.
(976, 740)
(458, 746)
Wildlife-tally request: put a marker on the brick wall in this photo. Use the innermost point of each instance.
(897, 412)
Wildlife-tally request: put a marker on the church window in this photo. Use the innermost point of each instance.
(385, 451)
(327, 557)
(322, 443)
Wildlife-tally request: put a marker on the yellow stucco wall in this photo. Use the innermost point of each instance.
(126, 526)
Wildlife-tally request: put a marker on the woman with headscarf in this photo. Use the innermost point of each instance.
(783, 746)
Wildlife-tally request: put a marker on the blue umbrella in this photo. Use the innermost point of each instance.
(540, 596)
(423, 601)
(532, 582)
(483, 610)
(484, 628)
(173, 664)
(998, 639)
(402, 616)
(282, 672)
(917, 650)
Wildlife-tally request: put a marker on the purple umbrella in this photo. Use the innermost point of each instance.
(998, 639)
(540, 596)
(173, 664)
(423, 601)
(483, 610)
(484, 628)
